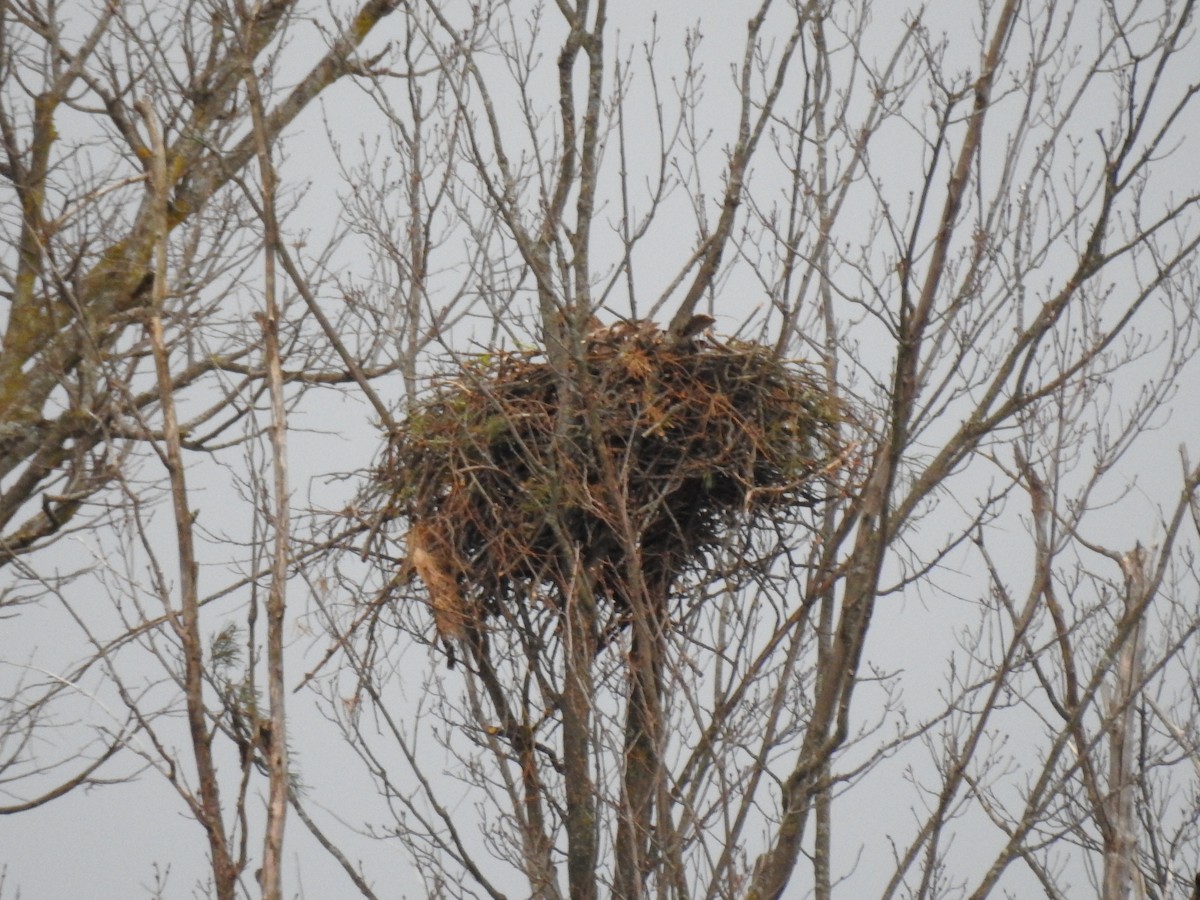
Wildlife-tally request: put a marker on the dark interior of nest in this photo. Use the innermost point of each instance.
(512, 480)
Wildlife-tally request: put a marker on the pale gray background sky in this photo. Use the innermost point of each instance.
(106, 843)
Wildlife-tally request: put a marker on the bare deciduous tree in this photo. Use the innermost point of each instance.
(958, 657)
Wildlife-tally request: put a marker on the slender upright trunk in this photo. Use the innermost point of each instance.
(1122, 877)
(577, 696)
(186, 621)
(643, 731)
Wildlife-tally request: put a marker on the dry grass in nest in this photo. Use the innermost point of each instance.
(660, 450)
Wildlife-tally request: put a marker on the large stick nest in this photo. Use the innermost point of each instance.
(515, 479)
